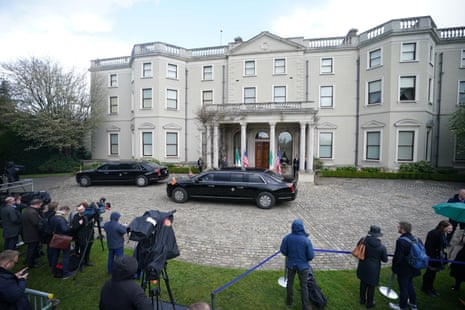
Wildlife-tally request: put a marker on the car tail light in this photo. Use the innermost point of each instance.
(291, 187)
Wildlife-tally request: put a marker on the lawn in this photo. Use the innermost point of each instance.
(258, 290)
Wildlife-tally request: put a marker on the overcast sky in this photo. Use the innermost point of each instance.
(77, 31)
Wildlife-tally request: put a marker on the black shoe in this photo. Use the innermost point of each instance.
(90, 264)
(429, 293)
(370, 306)
(362, 302)
(436, 294)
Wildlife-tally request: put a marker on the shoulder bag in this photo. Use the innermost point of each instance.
(359, 250)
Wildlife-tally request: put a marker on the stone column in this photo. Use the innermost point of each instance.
(215, 145)
(310, 143)
(272, 145)
(243, 141)
(209, 148)
(302, 146)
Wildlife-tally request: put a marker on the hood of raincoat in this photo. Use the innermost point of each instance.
(124, 268)
(298, 228)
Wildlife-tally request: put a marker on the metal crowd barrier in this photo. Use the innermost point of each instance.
(24, 185)
(41, 300)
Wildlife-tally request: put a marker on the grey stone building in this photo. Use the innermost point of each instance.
(375, 99)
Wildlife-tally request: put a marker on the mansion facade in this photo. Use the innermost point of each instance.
(376, 99)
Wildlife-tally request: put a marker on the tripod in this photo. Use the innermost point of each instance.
(89, 242)
(156, 291)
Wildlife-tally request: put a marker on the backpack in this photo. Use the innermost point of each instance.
(417, 257)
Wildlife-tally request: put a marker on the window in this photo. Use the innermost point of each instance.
(279, 94)
(250, 95)
(285, 146)
(147, 144)
(373, 145)
(326, 65)
(207, 73)
(113, 80)
(172, 71)
(146, 98)
(146, 69)
(207, 97)
(326, 96)
(280, 66)
(462, 59)
(171, 144)
(461, 95)
(409, 52)
(405, 145)
(325, 149)
(459, 148)
(374, 92)
(172, 99)
(407, 88)
(113, 109)
(114, 144)
(430, 91)
(431, 55)
(375, 58)
(249, 67)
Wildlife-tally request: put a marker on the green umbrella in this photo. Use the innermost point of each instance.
(453, 210)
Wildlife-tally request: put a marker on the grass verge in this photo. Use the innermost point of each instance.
(259, 290)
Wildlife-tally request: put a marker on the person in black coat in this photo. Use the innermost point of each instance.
(435, 245)
(368, 270)
(12, 285)
(458, 270)
(31, 235)
(60, 226)
(121, 292)
(11, 222)
(405, 272)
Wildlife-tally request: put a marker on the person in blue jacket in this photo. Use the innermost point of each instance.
(298, 249)
(12, 285)
(115, 238)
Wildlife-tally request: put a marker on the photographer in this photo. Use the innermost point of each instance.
(12, 171)
(83, 232)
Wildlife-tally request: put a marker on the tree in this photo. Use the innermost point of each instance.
(53, 108)
(457, 124)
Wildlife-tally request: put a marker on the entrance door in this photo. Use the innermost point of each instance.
(262, 154)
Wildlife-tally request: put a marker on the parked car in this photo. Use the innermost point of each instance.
(265, 187)
(140, 173)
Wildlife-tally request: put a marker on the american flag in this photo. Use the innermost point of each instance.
(245, 160)
(278, 162)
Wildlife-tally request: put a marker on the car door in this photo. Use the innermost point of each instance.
(254, 184)
(127, 172)
(203, 185)
(237, 187)
(104, 173)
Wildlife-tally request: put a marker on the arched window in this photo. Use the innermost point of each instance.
(262, 135)
(285, 146)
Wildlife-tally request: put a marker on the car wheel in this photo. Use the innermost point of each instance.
(265, 200)
(84, 181)
(179, 195)
(142, 181)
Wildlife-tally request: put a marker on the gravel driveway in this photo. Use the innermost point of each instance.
(336, 213)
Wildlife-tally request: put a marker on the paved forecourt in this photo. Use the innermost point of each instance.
(336, 213)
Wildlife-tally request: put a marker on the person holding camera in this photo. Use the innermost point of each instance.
(115, 238)
(83, 232)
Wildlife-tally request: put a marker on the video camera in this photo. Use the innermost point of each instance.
(95, 209)
(156, 241)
